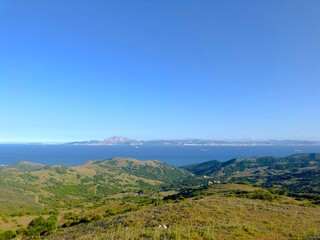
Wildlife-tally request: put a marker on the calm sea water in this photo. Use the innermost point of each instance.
(177, 156)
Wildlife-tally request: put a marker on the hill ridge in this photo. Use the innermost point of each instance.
(297, 173)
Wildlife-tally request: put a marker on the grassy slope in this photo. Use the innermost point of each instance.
(62, 186)
(13, 200)
(215, 213)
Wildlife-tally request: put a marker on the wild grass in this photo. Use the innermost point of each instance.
(215, 216)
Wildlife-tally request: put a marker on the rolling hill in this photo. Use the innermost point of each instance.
(51, 186)
(299, 174)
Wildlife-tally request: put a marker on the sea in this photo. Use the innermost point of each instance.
(72, 155)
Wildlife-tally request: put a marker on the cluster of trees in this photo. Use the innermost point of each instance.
(40, 226)
(37, 227)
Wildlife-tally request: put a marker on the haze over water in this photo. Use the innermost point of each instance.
(174, 155)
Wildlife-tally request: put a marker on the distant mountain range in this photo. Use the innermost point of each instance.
(117, 140)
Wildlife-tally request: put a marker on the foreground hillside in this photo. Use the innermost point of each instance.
(298, 174)
(220, 211)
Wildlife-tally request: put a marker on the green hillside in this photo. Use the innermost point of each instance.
(220, 211)
(27, 166)
(299, 174)
(153, 170)
(63, 186)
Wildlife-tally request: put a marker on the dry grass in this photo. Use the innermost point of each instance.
(131, 179)
(125, 161)
(85, 170)
(212, 217)
(13, 223)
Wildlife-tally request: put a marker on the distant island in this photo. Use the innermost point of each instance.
(118, 140)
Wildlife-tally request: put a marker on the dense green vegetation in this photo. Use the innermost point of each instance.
(298, 174)
(5, 235)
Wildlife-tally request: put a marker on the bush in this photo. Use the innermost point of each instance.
(6, 235)
(21, 231)
(263, 195)
(72, 221)
(40, 225)
(90, 218)
(70, 216)
(157, 202)
(257, 194)
(109, 212)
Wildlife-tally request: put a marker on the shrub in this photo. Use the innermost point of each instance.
(109, 212)
(6, 235)
(70, 216)
(40, 225)
(263, 195)
(157, 202)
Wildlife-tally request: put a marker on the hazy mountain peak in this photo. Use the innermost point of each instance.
(119, 140)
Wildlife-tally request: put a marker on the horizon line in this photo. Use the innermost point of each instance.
(162, 139)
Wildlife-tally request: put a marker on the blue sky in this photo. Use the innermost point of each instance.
(79, 70)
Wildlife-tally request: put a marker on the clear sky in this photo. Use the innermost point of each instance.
(80, 70)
